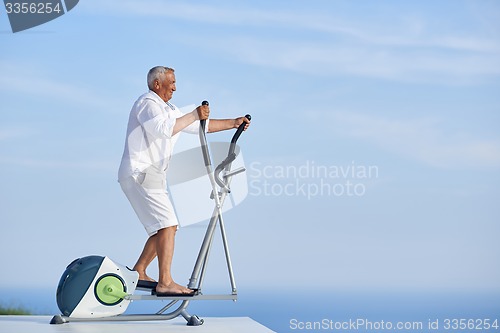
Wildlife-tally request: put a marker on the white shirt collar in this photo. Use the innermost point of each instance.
(155, 96)
(158, 99)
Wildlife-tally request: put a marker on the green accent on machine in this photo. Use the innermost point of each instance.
(110, 289)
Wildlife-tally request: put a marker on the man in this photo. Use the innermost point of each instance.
(153, 128)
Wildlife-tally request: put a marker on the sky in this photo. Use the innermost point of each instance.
(372, 160)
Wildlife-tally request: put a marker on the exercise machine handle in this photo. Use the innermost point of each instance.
(231, 155)
(236, 135)
(203, 139)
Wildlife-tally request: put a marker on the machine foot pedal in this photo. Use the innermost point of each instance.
(146, 284)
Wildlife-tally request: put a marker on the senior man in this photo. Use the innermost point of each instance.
(153, 128)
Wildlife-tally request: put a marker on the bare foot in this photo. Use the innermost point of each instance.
(173, 288)
(144, 276)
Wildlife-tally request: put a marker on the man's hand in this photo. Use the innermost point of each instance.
(203, 111)
(241, 120)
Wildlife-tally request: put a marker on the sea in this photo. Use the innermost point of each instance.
(322, 311)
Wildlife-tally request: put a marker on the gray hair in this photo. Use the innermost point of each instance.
(157, 73)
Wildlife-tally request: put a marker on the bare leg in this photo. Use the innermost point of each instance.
(165, 250)
(147, 256)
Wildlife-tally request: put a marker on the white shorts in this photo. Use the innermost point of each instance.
(149, 198)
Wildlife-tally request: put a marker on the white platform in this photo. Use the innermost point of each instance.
(40, 324)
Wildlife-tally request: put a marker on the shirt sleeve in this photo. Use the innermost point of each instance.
(155, 120)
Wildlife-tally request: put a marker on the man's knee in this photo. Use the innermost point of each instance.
(168, 230)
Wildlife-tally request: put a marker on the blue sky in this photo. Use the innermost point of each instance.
(410, 88)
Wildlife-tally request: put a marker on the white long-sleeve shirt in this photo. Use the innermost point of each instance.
(149, 141)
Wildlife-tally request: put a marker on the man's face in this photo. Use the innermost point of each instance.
(165, 88)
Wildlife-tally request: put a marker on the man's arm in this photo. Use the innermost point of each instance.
(201, 112)
(216, 125)
(184, 121)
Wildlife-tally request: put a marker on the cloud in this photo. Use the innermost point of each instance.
(424, 140)
(401, 46)
(327, 59)
(405, 30)
(15, 133)
(14, 77)
(52, 164)
(220, 15)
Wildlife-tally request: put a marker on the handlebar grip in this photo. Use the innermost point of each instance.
(242, 126)
(203, 139)
(204, 121)
(240, 130)
(231, 155)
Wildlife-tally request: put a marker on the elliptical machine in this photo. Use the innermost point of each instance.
(94, 288)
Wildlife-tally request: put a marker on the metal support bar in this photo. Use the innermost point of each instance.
(166, 307)
(193, 281)
(228, 257)
(60, 319)
(205, 261)
(219, 297)
(234, 172)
